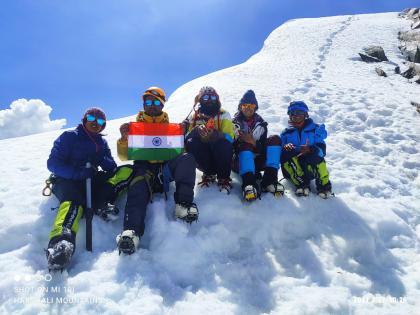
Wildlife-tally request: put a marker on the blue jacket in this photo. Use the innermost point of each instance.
(313, 133)
(73, 149)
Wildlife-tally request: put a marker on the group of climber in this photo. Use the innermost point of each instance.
(214, 143)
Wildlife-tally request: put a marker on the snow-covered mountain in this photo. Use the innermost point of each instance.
(357, 253)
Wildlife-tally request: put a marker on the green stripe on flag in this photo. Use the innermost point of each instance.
(153, 154)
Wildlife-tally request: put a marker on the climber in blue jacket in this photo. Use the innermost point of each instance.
(303, 152)
(67, 163)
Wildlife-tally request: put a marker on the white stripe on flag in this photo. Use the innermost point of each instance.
(163, 142)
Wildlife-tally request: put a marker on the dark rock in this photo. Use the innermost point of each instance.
(412, 12)
(416, 58)
(412, 71)
(409, 36)
(397, 70)
(380, 72)
(367, 58)
(409, 43)
(417, 105)
(373, 54)
(415, 25)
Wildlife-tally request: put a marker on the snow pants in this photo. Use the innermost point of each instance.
(248, 163)
(213, 158)
(72, 197)
(144, 178)
(301, 170)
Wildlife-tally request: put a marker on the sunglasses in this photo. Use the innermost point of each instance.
(99, 121)
(152, 102)
(248, 106)
(207, 97)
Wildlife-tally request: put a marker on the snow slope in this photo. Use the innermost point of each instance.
(357, 253)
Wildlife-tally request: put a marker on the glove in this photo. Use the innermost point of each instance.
(124, 128)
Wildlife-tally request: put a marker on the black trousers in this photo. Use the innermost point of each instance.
(146, 180)
(212, 157)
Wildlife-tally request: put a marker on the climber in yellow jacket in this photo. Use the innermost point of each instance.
(147, 177)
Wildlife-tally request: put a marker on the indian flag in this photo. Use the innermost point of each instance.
(151, 141)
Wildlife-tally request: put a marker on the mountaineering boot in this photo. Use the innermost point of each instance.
(250, 193)
(127, 242)
(224, 184)
(302, 191)
(275, 188)
(207, 180)
(59, 255)
(108, 212)
(186, 211)
(250, 188)
(270, 182)
(324, 191)
(325, 194)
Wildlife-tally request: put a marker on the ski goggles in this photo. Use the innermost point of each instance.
(297, 112)
(156, 93)
(99, 121)
(208, 97)
(249, 106)
(297, 118)
(152, 102)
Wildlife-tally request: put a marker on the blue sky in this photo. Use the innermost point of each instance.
(79, 53)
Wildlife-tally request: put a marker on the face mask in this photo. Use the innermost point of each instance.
(209, 109)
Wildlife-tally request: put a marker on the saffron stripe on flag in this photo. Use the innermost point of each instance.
(158, 142)
(155, 129)
(153, 154)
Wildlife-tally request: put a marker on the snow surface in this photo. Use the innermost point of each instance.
(357, 253)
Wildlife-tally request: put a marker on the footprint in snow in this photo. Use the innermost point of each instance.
(273, 119)
(287, 99)
(315, 100)
(264, 105)
(411, 164)
(383, 112)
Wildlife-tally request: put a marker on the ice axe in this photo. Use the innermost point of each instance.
(89, 212)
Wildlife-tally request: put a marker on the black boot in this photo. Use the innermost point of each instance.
(250, 188)
(59, 252)
(270, 177)
(324, 191)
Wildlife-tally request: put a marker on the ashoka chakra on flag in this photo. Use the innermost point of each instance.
(151, 141)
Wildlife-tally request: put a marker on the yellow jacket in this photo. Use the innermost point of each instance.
(221, 121)
(122, 146)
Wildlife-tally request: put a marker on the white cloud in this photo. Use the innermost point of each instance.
(27, 117)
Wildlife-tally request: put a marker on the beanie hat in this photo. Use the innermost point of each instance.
(248, 98)
(297, 105)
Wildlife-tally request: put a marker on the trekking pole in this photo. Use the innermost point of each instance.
(89, 213)
(186, 125)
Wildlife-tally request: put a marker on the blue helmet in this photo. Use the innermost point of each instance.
(297, 106)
